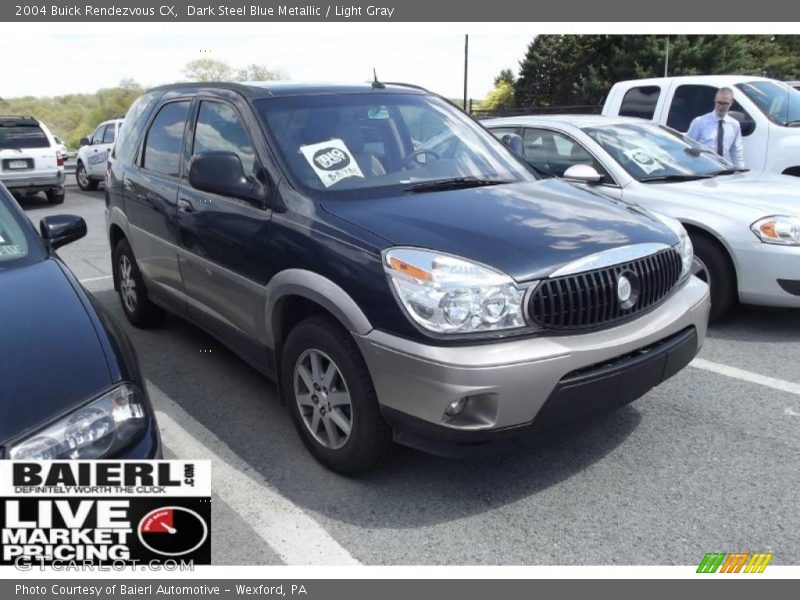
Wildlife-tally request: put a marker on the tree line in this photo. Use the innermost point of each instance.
(74, 116)
(571, 70)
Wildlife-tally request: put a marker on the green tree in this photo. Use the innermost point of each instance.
(562, 70)
(506, 75)
(208, 69)
(259, 73)
(502, 96)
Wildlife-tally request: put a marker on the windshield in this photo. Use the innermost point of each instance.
(18, 245)
(653, 152)
(778, 101)
(382, 143)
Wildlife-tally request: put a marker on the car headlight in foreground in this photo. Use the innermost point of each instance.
(684, 245)
(778, 229)
(95, 430)
(447, 294)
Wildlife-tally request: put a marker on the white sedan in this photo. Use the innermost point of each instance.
(745, 226)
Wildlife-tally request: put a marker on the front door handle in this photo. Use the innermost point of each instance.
(185, 206)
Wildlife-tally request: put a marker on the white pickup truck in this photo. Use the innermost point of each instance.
(768, 111)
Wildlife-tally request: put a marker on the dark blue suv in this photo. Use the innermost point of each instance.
(396, 269)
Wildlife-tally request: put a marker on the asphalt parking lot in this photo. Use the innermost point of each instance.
(707, 462)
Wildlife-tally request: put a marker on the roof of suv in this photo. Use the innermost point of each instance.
(717, 80)
(267, 89)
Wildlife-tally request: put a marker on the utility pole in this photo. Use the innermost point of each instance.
(466, 65)
(666, 60)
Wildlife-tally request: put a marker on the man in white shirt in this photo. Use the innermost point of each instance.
(719, 132)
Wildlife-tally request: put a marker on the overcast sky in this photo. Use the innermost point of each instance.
(60, 62)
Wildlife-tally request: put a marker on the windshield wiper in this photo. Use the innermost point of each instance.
(728, 171)
(795, 123)
(669, 178)
(454, 183)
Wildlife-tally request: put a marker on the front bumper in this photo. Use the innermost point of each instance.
(516, 385)
(768, 274)
(23, 183)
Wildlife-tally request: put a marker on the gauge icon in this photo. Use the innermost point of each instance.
(172, 531)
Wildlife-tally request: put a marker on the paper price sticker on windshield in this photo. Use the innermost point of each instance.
(644, 161)
(332, 161)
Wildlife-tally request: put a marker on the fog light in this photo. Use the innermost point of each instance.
(455, 407)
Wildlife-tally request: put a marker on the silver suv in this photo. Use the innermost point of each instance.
(29, 158)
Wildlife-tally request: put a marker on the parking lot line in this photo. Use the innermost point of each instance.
(749, 376)
(295, 536)
(101, 278)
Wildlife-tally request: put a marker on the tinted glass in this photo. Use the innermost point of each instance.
(778, 101)
(380, 143)
(220, 129)
(22, 136)
(691, 101)
(108, 136)
(126, 142)
(640, 102)
(651, 151)
(164, 138)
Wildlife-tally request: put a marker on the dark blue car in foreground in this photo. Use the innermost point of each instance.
(70, 385)
(397, 270)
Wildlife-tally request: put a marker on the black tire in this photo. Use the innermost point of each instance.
(370, 437)
(139, 310)
(55, 196)
(82, 178)
(720, 274)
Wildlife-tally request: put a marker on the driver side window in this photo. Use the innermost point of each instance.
(97, 137)
(552, 153)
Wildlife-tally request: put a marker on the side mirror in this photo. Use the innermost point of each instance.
(582, 174)
(222, 173)
(514, 143)
(58, 230)
(84, 141)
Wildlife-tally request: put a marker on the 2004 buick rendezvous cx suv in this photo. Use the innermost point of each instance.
(396, 269)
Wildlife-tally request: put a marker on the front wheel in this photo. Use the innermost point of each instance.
(138, 308)
(329, 392)
(716, 270)
(84, 181)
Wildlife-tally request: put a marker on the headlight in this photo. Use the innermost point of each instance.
(778, 230)
(95, 430)
(446, 294)
(684, 245)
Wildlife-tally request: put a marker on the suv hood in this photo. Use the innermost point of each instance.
(770, 193)
(52, 358)
(526, 230)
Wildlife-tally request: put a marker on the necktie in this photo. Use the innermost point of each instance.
(720, 136)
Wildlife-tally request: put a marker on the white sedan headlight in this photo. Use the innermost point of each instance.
(446, 294)
(95, 430)
(684, 245)
(778, 230)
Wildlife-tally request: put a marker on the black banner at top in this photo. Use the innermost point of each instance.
(395, 11)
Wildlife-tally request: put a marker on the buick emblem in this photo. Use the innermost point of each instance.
(624, 289)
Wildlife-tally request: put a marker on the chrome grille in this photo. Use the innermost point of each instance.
(590, 299)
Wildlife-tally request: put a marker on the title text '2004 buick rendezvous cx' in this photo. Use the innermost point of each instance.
(392, 265)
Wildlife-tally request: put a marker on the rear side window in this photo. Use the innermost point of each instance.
(22, 135)
(691, 101)
(162, 145)
(126, 142)
(108, 136)
(640, 102)
(219, 129)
